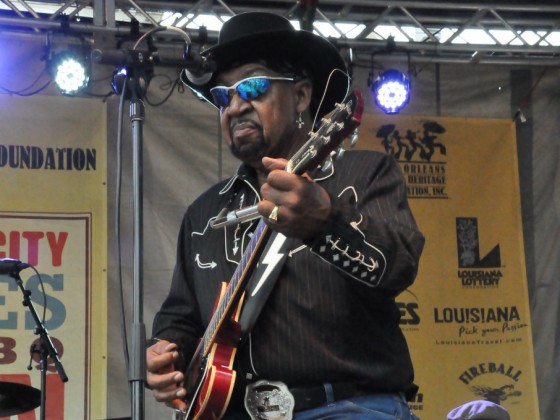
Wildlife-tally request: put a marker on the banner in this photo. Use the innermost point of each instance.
(466, 318)
(53, 216)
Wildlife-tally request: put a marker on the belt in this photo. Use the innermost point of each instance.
(268, 399)
(306, 398)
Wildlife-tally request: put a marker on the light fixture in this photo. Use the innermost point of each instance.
(120, 77)
(391, 91)
(69, 71)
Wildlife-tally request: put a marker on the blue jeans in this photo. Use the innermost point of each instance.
(368, 407)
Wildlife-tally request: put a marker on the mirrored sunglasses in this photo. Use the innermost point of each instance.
(247, 89)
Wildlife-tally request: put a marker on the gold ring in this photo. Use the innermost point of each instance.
(273, 216)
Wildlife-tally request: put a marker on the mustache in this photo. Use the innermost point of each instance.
(242, 121)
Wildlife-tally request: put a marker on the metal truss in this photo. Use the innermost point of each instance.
(514, 33)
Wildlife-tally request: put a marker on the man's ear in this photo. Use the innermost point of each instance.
(303, 90)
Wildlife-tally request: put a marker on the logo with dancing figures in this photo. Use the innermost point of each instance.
(421, 153)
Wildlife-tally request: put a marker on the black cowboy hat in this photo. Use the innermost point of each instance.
(258, 35)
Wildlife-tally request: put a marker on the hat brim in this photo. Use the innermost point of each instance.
(313, 53)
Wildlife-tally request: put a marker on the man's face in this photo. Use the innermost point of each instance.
(264, 126)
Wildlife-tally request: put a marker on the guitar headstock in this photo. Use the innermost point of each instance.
(334, 128)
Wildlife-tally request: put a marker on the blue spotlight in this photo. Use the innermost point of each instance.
(69, 72)
(391, 91)
(119, 79)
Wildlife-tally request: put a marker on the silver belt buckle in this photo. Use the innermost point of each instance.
(267, 400)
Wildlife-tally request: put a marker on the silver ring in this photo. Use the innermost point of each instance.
(273, 216)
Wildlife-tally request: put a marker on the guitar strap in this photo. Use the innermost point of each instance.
(263, 279)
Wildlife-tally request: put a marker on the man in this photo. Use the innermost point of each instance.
(327, 341)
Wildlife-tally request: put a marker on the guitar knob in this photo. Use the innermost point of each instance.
(354, 137)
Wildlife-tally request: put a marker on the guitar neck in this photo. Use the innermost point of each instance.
(228, 303)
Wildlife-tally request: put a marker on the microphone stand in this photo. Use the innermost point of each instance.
(46, 348)
(138, 359)
(136, 86)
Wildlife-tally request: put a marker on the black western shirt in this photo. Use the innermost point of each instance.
(331, 316)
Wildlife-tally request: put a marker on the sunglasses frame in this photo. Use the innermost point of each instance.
(233, 89)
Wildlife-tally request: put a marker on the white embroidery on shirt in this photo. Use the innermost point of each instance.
(296, 250)
(236, 240)
(353, 262)
(204, 266)
(205, 228)
(359, 257)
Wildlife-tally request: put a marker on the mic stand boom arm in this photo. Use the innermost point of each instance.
(47, 348)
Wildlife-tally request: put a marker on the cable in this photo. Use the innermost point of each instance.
(118, 186)
(182, 33)
(325, 92)
(23, 92)
(174, 84)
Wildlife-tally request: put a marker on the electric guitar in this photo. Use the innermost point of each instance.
(210, 377)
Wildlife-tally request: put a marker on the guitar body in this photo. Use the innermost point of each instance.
(215, 386)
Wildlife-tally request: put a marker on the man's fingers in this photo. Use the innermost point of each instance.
(169, 394)
(271, 163)
(164, 381)
(161, 357)
(162, 363)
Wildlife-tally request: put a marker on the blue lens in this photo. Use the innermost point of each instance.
(247, 89)
(221, 97)
(253, 88)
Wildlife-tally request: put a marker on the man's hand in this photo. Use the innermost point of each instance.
(162, 378)
(303, 205)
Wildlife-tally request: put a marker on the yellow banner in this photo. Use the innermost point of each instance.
(467, 316)
(53, 217)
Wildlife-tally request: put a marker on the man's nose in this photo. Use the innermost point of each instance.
(237, 104)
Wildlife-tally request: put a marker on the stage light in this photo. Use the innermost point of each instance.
(391, 91)
(69, 72)
(119, 79)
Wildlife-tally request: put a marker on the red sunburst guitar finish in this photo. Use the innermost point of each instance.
(217, 379)
(210, 377)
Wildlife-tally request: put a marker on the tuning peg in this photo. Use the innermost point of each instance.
(339, 152)
(327, 165)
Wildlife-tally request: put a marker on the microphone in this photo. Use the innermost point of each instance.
(11, 266)
(198, 69)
